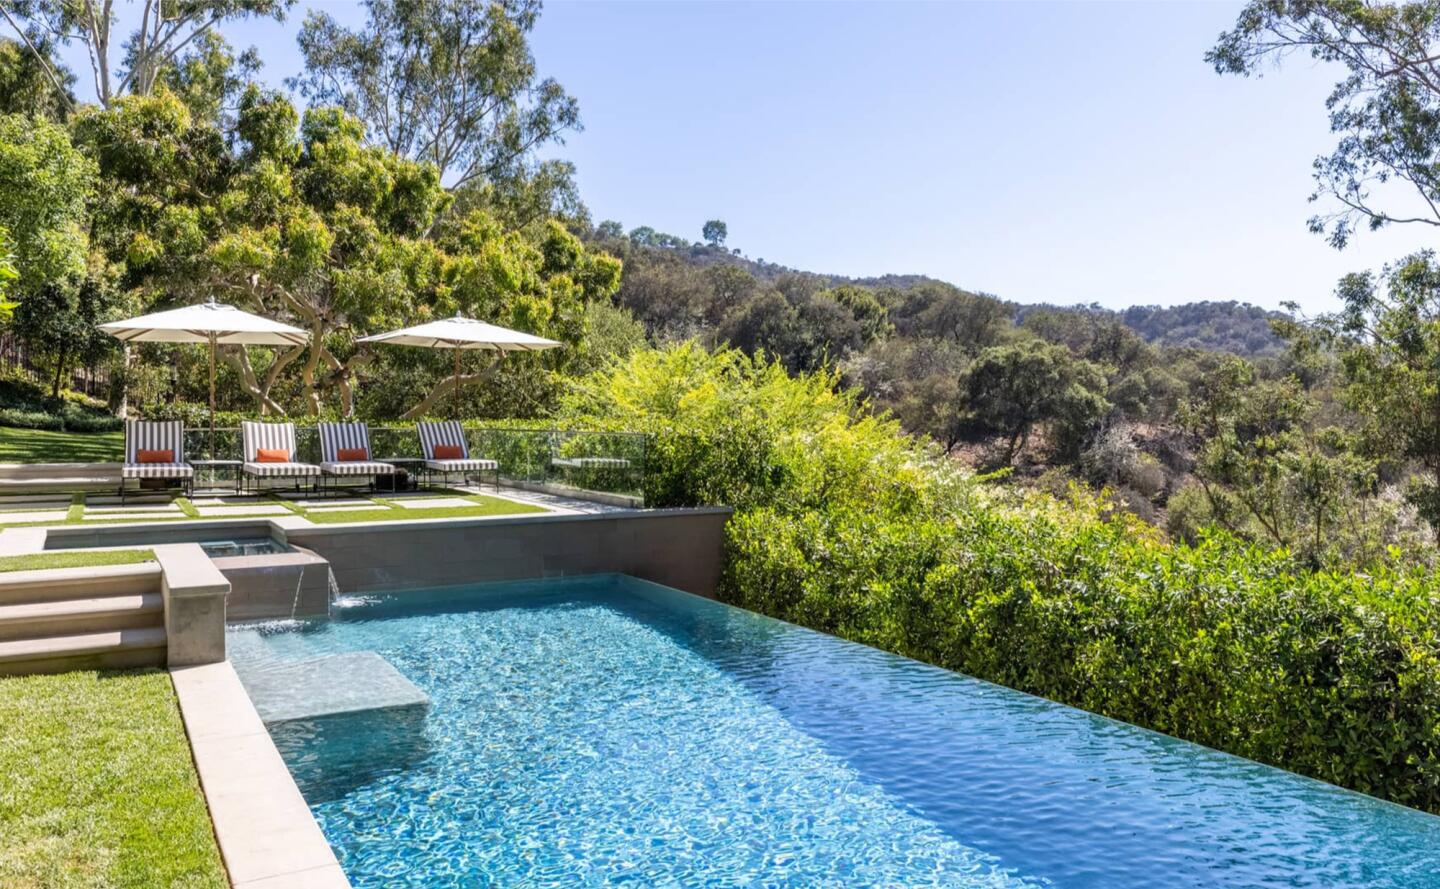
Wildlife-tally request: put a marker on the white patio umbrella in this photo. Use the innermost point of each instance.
(461, 333)
(214, 323)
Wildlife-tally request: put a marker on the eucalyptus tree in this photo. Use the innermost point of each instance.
(1385, 110)
(126, 62)
(450, 82)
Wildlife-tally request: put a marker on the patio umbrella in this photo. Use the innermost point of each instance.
(462, 333)
(214, 323)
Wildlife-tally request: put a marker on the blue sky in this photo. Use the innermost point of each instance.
(1068, 153)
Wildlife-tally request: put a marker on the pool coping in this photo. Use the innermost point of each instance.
(268, 839)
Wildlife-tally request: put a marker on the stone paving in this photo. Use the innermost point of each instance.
(47, 516)
(216, 512)
(434, 502)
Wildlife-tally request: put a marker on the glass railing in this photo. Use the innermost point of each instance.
(557, 459)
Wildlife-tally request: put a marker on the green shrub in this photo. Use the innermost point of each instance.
(844, 525)
(23, 405)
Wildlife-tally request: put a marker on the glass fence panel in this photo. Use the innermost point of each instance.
(578, 460)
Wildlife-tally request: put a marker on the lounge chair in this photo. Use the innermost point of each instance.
(155, 450)
(269, 452)
(447, 453)
(345, 452)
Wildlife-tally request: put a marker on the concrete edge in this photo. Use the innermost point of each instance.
(188, 570)
(28, 540)
(268, 839)
(490, 521)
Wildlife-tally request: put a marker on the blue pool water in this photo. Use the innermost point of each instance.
(605, 731)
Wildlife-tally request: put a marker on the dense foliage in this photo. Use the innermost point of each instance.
(846, 526)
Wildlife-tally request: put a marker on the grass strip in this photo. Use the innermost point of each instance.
(75, 559)
(45, 446)
(99, 788)
(484, 506)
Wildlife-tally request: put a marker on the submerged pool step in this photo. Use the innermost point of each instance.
(139, 647)
(68, 617)
(55, 584)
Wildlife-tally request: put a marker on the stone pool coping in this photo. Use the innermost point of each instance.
(267, 836)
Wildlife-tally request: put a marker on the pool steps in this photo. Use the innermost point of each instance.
(82, 618)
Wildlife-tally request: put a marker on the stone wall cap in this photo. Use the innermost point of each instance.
(188, 571)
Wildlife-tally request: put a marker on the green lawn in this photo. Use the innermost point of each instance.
(41, 446)
(484, 506)
(78, 559)
(97, 788)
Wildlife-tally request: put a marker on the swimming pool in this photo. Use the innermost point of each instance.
(607, 731)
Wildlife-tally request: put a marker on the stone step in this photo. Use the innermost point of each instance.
(55, 584)
(10, 471)
(57, 485)
(142, 647)
(71, 617)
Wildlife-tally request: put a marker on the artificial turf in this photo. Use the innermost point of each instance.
(75, 559)
(484, 506)
(97, 788)
(44, 446)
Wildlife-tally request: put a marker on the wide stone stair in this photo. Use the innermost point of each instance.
(81, 618)
(58, 478)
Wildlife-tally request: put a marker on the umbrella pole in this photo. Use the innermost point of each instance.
(457, 384)
(212, 396)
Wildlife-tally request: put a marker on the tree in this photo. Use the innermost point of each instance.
(945, 312)
(1011, 389)
(449, 82)
(1388, 339)
(34, 82)
(167, 29)
(45, 184)
(715, 233)
(306, 222)
(1386, 111)
(8, 274)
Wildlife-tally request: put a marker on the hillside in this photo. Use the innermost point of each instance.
(1218, 326)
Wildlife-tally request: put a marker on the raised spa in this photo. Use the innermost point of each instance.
(602, 731)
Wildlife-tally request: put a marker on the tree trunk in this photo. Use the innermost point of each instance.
(251, 383)
(448, 385)
(60, 369)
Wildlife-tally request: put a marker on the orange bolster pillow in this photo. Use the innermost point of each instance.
(352, 455)
(449, 452)
(155, 456)
(272, 455)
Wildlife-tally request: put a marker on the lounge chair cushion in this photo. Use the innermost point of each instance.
(357, 467)
(272, 455)
(280, 470)
(461, 465)
(157, 456)
(449, 452)
(347, 455)
(156, 470)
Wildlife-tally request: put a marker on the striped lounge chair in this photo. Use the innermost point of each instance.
(269, 452)
(345, 452)
(155, 450)
(447, 453)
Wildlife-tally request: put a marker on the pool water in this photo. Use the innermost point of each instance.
(606, 731)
